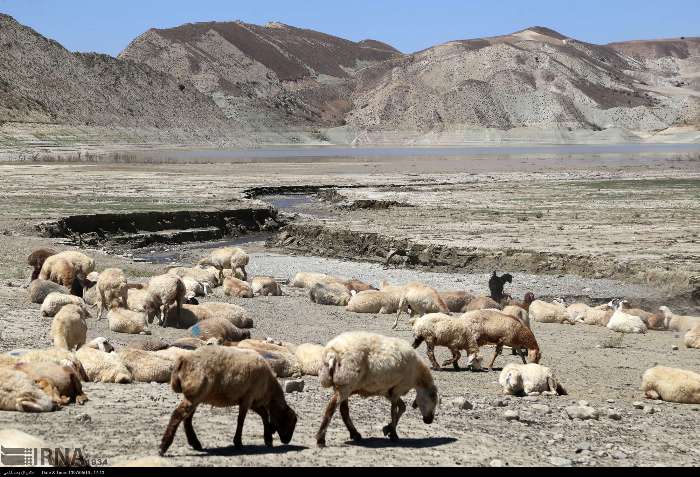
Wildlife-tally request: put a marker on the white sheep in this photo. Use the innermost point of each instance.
(204, 275)
(112, 288)
(438, 329)
(39, 289)
(529, 379)
(227, 257)
(679, 323)
(55, 301)
(421, 300)
(19, 392)
(625, 323)
(265, 286)
(692, 337)
(194, 288)
(164, 292)
(309, 357)
(128, 322)
(543, 312)
(370, 301)
(147, 366)
(591, 315)
(330, 294)
(68, 328)
(237, 315)
(103, 367)
(671, 384)
(237, 288)
(518, 312)
(369, 364)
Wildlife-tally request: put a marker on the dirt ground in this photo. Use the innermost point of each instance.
(128, 420)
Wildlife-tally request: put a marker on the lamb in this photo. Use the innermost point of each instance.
(112, 289)
(529, 379)
(265, 286)
(55, 301)
(37, 258)
(237, 288)
(595, 316)
(220, 329)
(678, 323)
(237, 315)
(227, 257)
(437, 329)
(544, 312)
(68, 328)
(330, 294)
(493, 327)
(164, 291)
(309, 357)
(456, 300)
(60, 382)
(103, 367)
(692, 337)
(624, 323)
(208, 276)
(672, 385)
(128, 322)
(357, 286)
(369, 364)
(146, 366)
(421, 300)
(39, 289)
(496, 285)
(224, 377)
(369, 301)
(19, 392)
(482, 303)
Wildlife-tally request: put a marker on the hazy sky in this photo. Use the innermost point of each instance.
(409, 25)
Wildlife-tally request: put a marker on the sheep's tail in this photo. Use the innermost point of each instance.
(175, 382)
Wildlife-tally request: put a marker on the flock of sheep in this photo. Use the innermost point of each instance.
(219, 364)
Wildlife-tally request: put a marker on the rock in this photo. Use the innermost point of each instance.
(560, 461)
(463, 404)
(541, 408)
(511, 416)
(581, 412)
(649, 410)
(294, 386)
(618, 455)
(638, 405)
(583, 446)
(614, 415)
(496, 463)
(531, 399)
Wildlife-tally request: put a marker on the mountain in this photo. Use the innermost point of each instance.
(680, 48)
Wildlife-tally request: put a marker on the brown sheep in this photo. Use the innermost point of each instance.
(357, 286)
(220, 329)
(37, 258)
(525, 304)
(60, 382)
(482, 303)
(112, 288)
(456, 300)
(237, 288)
(421, 300)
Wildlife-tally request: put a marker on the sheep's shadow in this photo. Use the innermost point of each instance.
(230, 451)
(411, 443)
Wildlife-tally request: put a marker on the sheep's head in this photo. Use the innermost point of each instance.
(534, 355)
(152, 305)
(426, 400)
(507, 278)
(529, 298)
(283, 420)
(665, 311)
(513, 382)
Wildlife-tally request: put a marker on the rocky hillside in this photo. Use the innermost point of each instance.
(273, 75)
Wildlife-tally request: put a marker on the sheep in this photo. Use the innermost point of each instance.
(369, 301)
(529, 379)
(646, 317)
(482, 303)
(330, 294)
(518, 312)
(493, 327)
(309, 357)
(218, 328)
(60, 382)
(149, 344)
(80, 265)
(422, 300)
(146, 366)
(227, 257)
(228, 273)
(164, 291)
(102, 344)
(208, 276)
(190, 315)
(456, 300)
(51, 355)
(103, 367)
(190, 343)
(596, 316)
(19, 392)
(237, 315)
(194, 288)
(369, 364)
(678, 323)
(55, 301)
(692, 337)
(496, 285)
(671, 384)
(391, 298)
(224, 377)
(265, 286)
(437, 329)
(624, 323)
(129, 322)
(39, 289)
(136, 299)
(237, 288)
(68, 328)
(528, 299)
(357, 286)
(283, 362)
(308, 279)
(37, 258)
(112, 289)
(544, 312)
(174, 352)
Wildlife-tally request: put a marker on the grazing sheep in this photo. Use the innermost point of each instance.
(60, 382)
(495, 328)
(529, 379)
(330, 294)
(308, 279)
(595, 316)
(237, 288)
(456, 300)
(421, 300)
(39, 289)
(357, 286)
(266, 286)
(283, 362)
(37, 258)
(227, 257)
(19, 392)
(68, 328)
(146, 366)
(671, 384)
(369, 301)
(543, 312)
(103, 367)
(164, 291)
(369, 364)
(309, 357)
(237, 315)
(678, 323)
(518, 312)
(55, 301)
(482, 303)
(692, 337)
(496, 285)
(437, 329)
(128, 322)
(219, 328)
(224, 377)
(208, 276)
(624, 323)
(112, 289)
(79, 266)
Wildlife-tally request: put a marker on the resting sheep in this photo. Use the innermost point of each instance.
(282, 361)
(624, 323)
(692, 337)
(220, 329)
(128, 322)
(55, 301)
(456, 300)
(224, 377)
(208, 276)
(309, 279)
(59, 381)
(482, 303)
(37, 258)
(68, 328)
(237, 315)
(237, 288)
(518, 312)
(357, 286)
(437, 329)
(369, 301)
(671, 384)
(39, 289)
(330, 294)
(146, 366)
(194, 288)
(529, 379)
(309, 357)
(19, 392)
(421, 299)
(678, 323)
(368, 364)
(543, 312)
(112, 289)
(265, 286)
(103, 367)
(595, 316)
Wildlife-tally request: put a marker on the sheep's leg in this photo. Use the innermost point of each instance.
(238, 438)
(431, 356)
(181, 411)
(245, 274)
(398, 407)
(189, 431)
(497, 351)
(456, 355)
(345, 413)
(267, 428)
(330, 410)
(521, 353)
